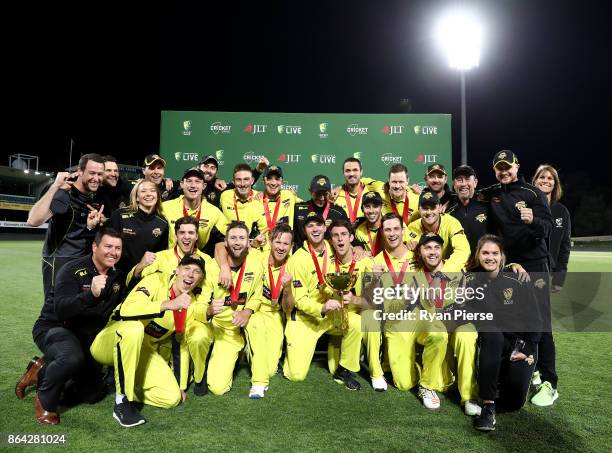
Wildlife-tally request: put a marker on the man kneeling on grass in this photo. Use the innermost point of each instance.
(142, 327)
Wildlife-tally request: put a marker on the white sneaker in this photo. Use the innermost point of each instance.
(429, 397)
(471, 408)
(536, 379)
(379, 384)
(257, 392)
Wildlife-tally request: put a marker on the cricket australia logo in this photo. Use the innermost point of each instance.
(520, 205)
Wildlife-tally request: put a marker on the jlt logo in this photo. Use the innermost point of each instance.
(426, 158)
(392, 130)
(255, 128)
(289, 158)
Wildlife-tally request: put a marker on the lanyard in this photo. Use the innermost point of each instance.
(374, 247)
(320, 275)
(352, 210)
(275, 289)
(235, 292)
(325, 211)
(185, 213)
(396, 279)
(236, 205)
(178, 258)
(439, 302)
(406, 212)
(271, 222)
(351, 269)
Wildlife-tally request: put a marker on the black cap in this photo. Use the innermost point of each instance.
(505, 156)
(463, 170)
(193, 259)
(313, 217)
(428, 237)
(152, 158)
(273, 169)
(428, 197)
(207, 159)
(372, 198)
(320, 183)
(195, 171)
(435, 167)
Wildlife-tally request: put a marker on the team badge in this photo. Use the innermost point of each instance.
(481, 217)
(116, 287)
(427, 195)
(520, 205)
(212, 196)
(508, 295)
(559, 222)
(540, 283)
(502, 155)
(321, 181)
(156, 232)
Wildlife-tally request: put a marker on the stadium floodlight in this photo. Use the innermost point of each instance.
(26, 171)
(459, 35)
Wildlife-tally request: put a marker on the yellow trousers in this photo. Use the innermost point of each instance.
(265, 335)
(402, 356)
(226, 341)
(141, 373)
(461, 361)
(302, 334)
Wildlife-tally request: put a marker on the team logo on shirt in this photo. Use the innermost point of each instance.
(520, 205)
(212, 196)
(508, 295)
(156, 232)
(116, 287)
(540, 283)
(481, 217)
(559, 222)
(248, 277)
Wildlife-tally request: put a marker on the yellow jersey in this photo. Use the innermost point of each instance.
(344, 198)
(234, 208)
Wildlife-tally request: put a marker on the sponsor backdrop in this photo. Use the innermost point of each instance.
(306, 144)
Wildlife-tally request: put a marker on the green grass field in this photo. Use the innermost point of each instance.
(318, 414)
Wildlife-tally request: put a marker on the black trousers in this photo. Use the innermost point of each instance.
(50, 268)
(499, 379)
(546, 347)
(67, 361)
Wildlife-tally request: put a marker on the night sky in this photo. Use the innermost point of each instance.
(103, 76)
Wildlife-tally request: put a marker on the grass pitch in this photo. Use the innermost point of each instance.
(315, 415)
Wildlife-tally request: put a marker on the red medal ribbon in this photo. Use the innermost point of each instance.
(236, 205)
(275, 289)
(320, 273)
(352, 210)
(325, 211)
(351, 269)
(178, 258)
(172, 293)
(271, 222)
(439, 302)
(406, 212)
(397, 280)
(437, 229)
(235, 292)
(185, 213)
(374, 247)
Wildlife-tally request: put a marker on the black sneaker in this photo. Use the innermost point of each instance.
(200, 388)
(486, 420)
(127, 415)
(344, 376)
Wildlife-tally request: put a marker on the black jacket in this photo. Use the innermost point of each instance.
(300, 212)
(524, 244)
(560, 242)
(474, 218)
(116, 197)
(73, 305)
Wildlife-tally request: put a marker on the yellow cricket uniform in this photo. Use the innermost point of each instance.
(307, 323)
(247, 210)
(202, 332)
(285, 213)
(456, 248)
(209, 218)
(413, 205)
(460, 358)
(369, 185)
(132, 341)
(265, 330)
(166, 262)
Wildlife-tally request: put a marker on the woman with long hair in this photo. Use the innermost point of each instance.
(144, 229)
(508, 343)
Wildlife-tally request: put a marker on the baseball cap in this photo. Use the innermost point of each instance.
(207, 159)
(193, 171)
(320, 183)
(435, 167)
(505, 156)
(193, 259)
(313, 217)
(152, 158)
(428, 197)
(273, 169)
(428, 237)
(372, 198)
(463, 170)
